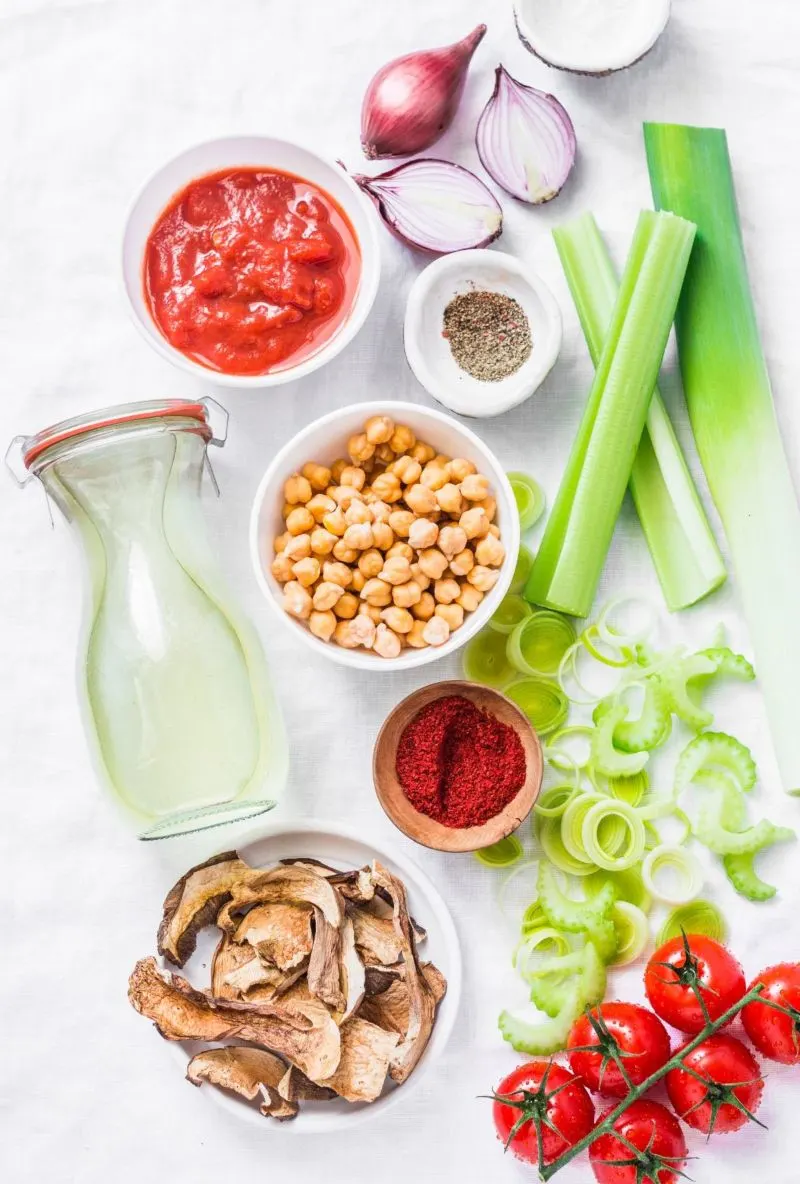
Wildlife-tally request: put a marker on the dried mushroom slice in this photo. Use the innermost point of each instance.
(194, 903)
(376, 937)
(324, 975)
(390, 1009)
(353, 976)
(378, 979)
(249, 1072)
(305, 1034)
(366, 1053)
(236, 969)
(279, 932)
(294, 1086)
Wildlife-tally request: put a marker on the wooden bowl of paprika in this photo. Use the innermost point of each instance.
(457, 766)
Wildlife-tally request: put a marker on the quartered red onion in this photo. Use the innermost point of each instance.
(525, 140)
(411, 101)
(435, 205)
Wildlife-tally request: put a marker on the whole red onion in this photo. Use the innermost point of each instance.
(411, 101)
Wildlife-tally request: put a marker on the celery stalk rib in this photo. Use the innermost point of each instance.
(730, 405)
(578, 533)
(682, 545)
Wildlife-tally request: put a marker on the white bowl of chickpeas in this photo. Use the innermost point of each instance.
(384, 535)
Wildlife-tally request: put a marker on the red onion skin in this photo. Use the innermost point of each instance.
(412, 100)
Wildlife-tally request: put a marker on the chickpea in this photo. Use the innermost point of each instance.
(400, 550)
(318, 476)
(299, 520)
(357, 512)
(422, 453)
(460, 469)
(337, 573)
(398, 619)
(489, 507)
(446, 591)
(425, 607)
(434, 475)
(343, 553)
(490, 552)
(387, 487)
(470, 598)
(386, 643)
(358, 537)
(381, 512)
(401, 522)
(322, 541)
(406, 595)
(384, 454)
(452, 613)
(296, 600)
(298, 547)
(494, 530)
(377, 592)
(306, 571)
(337, 468)
(370, 610)
(474, 523)
(382, 535)
(347, 636)
(449, 499)
(346, 607)
(357, 580)
(345, 495)
(353, 475)
(396, 570)
(436, 631)
(419, 576)
(370, 563)
(462, 563)
(297, 490)
(483, 578)
(327, 594)
(475, 487)
(414, 636)
(335, 522)
(282, 568)
(423, 533)
(407, 469)
(421, 500)
(363, 627)
(432, 563)
(359, 448)
(280, 542)
(322, 625)
(378, 429)
(320, 505)
(402, 439)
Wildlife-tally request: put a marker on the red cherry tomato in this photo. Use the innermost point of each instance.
(655, 1133)
(776, 1036)
(670, 972)
(724, 1062)
(553, 1092)
(641, 1038)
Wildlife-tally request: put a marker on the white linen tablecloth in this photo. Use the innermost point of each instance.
(94, 95)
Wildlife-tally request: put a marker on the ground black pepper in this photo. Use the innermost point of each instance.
(488, 333)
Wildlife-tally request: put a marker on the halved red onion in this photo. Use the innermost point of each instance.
(435, 205)
(526, 140)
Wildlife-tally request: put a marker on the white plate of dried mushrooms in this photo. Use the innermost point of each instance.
(304, 976)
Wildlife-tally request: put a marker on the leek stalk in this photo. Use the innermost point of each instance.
(684, 551)
(730, 405)
(578, 533)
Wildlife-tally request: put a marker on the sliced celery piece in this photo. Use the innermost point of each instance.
(685, 553)
(572, 915)
(605, 757)
(578, 532)
(545, 1036)
(732, 414)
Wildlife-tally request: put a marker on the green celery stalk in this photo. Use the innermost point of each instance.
(730, 405)
(578, 534)
(684, 551)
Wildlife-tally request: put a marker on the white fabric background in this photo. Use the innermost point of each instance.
(93, 96)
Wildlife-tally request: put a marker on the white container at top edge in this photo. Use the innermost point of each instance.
(429, 354)
(248, 152)
(325, 440)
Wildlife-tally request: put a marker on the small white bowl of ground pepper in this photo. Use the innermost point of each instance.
(482, 331)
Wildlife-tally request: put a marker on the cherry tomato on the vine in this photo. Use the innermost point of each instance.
(697, 960)
(641, 1040)
(732, 1075)
(559, 1099)
(660, 1147)
(776, 1036)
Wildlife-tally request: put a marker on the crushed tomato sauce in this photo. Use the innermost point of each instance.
(249, 270)
(457, 764)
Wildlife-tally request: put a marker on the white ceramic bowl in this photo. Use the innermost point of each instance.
(343, 847)
(249, 151)
(429, 354)
(324, 441)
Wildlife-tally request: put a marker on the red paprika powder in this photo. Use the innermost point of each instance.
(458, 764)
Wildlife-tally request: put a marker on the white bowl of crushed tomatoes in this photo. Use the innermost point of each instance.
(250, 261)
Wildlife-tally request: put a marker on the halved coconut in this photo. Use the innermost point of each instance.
(590, 36)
